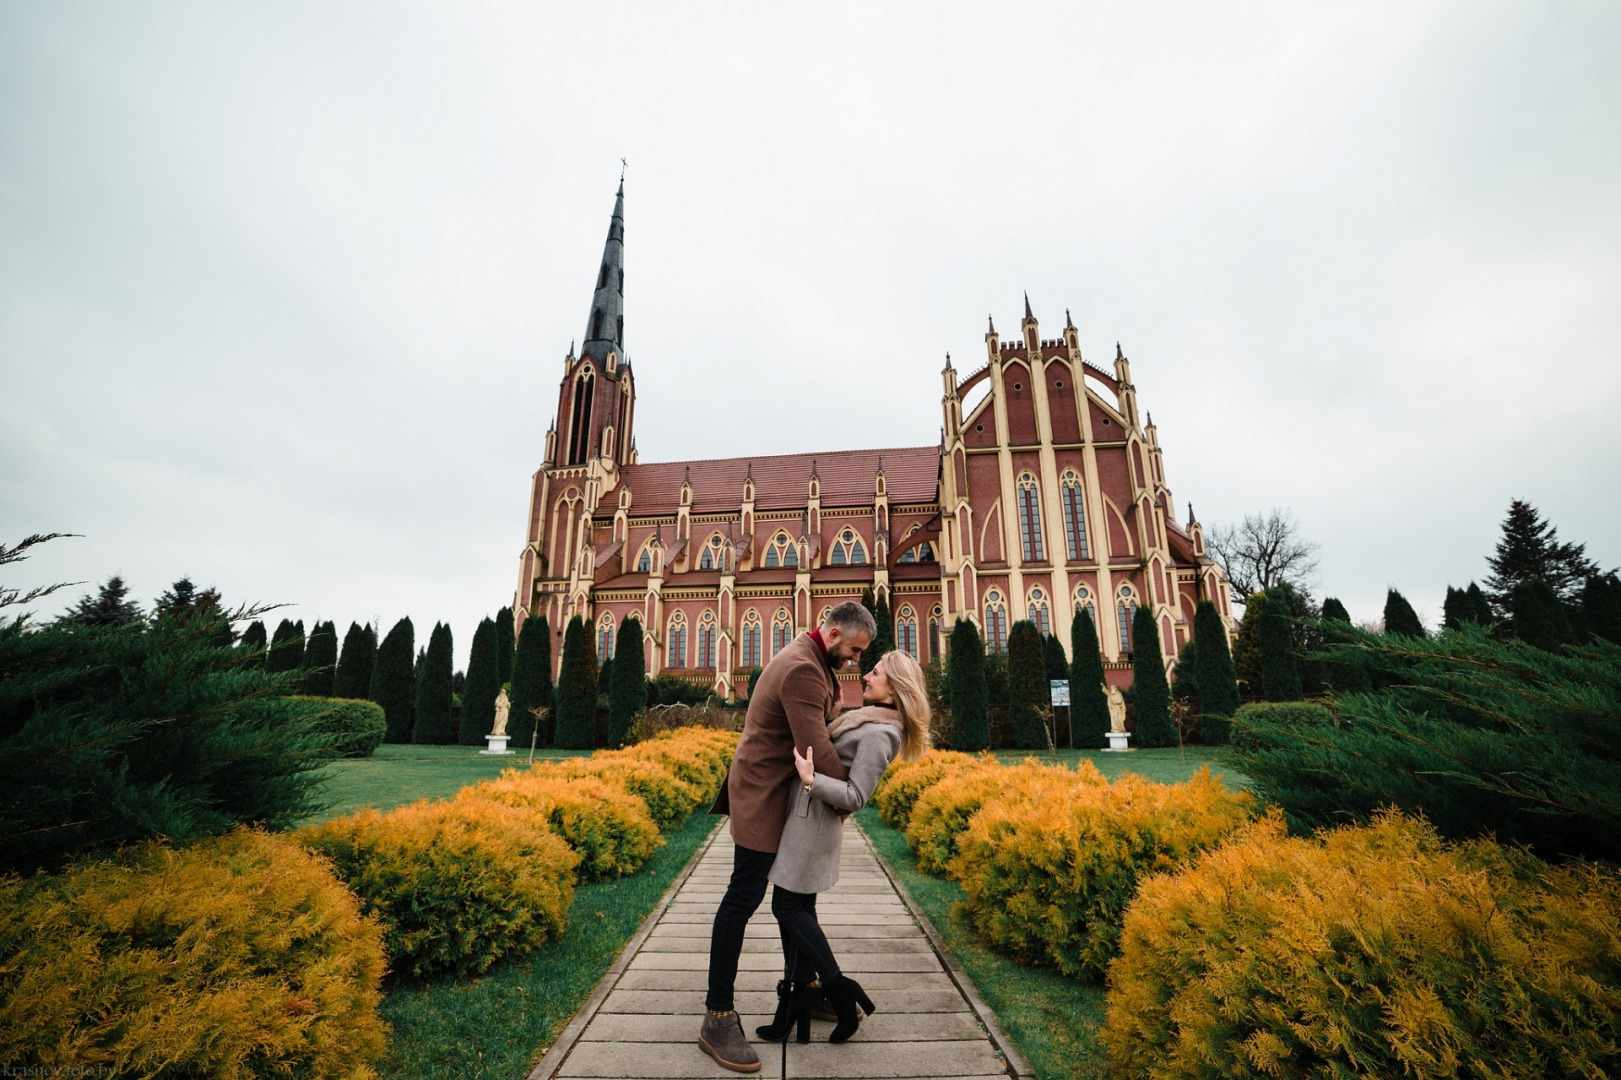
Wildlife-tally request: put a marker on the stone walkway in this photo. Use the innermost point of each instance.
(643, 1020)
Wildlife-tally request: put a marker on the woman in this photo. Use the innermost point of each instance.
(894, 719)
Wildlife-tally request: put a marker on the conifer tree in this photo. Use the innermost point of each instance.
(532, 684)
(577, 689)
(1400, 618)
(1150, 692)
(109, 607)
(627, 692)
(1247, 648)
(1280, 667)
(884, 640)
(970, 697)
(355, 663)
(1088, 701)
(1530, 548)
(754, 678)
(1455, 609)
(321, 660)
(1027, 685)
(433, 702)
(869, 655)
(1217, 680)
(1538, 616)
(253, 644)
(1057, 663)
(1335, 611)
(605, 669)
(1601, 607)
(286, 647)
(505, 641)
(483, 686)
(1482, 606)
(392, 680)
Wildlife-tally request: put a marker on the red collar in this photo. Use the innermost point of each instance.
(816, 636)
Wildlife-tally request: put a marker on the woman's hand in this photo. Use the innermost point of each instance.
(807, 769)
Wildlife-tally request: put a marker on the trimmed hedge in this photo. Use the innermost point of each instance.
(457, 885)
(901, 785)
(1050, 867)
(355, 724)
(1251, 723)
(668, 798)
(1375, 950)
(606, 826)
(239, 956)
(942, 812)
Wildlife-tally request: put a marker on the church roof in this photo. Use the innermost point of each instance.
(782, 481)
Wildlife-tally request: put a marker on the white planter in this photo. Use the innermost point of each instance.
(1117, 741)
(498, 745)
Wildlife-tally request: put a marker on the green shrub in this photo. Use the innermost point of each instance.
(1256, 724)
(970, 693)
(239, 956)
(457, 886)
(357, 726)
(1368, 951)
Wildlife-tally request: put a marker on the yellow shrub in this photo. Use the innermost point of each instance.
(606, 826)
(669, 799)
(942, 811)
(1369, 951)
(457, 885)
(897, 792)
(1049, 871)
(700, 756)
(239, 956)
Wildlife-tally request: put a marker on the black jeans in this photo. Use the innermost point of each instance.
(743, 895)
(802, 936)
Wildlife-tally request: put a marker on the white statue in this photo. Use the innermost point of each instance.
(1117, 709)
(502, 705)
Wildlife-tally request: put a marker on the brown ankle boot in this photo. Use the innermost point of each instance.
(722, 1038)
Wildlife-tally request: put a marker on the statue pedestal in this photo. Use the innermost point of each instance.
(1117, 741)
(498, 745)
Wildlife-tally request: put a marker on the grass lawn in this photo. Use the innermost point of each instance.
(500, 1024)
(1164, 766)
(398, 773)
(1052, 1020)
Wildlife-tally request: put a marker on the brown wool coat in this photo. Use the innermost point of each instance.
(792, 704)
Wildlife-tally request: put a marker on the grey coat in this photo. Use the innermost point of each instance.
(812, 840)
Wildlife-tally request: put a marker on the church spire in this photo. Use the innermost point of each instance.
(605, 330)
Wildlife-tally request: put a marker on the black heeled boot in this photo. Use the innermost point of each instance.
(793, 1007)
(844, 994)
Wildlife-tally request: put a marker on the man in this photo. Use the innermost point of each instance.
(796, 697)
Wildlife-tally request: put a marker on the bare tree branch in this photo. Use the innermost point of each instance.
(1261, 552)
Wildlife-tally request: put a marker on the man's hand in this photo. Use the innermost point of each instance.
(806, 767)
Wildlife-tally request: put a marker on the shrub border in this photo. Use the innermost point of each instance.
(564, 1046)
(1017, 1065)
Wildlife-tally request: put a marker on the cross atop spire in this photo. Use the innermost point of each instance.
(1027, 313)
(1118, 355)
(1069, 323)
(992, 321)
(605, 329)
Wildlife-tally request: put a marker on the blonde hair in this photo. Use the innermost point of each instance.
(911, 694)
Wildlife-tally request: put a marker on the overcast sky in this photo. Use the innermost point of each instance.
(285, 289)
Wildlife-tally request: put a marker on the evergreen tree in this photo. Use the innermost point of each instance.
(1538, 616)
(627, 692)
(1217, 679)
(1247, 648)
(605, 670)
(532, 684)
(252, 645)
(1482, 607)
(1027, 685)
(1088, 701)
(1280, 667)
(359, 656)
(1400, 618)
(483, 686)
(286, 647)
(1057, 663)
(1150, 691)
(577, 689)
(970, 697)
(321, 660)
(109, 607)
(1455, 609)
(754, 678)
(1601, 607)
(433, 703)
(884, 640)
(392, 683)
(1530, 548)
(869, 655)
(1335, 611)
(504, 643)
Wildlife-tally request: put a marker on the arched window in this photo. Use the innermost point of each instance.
(924, 552)
(1030, 520)
(934, 634)
(1083, 598)
(675, 651)
(995, 621)
(847, 550)
(1037, 606)
(605, 638)
(644, 565)
(906, 631)
(706, 641)
(782, 631)
(751, 640)
(711, 558)
(1125, 608)
(579, 438)
(1074, 516)
(780, 552)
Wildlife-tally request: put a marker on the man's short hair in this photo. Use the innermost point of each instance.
(851, 618)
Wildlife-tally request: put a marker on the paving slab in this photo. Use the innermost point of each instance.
(642, 1022)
